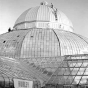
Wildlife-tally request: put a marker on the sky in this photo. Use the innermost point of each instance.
(75, 10)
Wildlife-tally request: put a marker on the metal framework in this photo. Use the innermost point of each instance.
(71, 73)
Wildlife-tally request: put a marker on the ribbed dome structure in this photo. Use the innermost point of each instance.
(43, 47)
(43, 16)
(42, 43)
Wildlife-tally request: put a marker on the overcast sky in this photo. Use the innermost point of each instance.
(75, 10)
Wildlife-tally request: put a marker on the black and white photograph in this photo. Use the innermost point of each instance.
(43, 43)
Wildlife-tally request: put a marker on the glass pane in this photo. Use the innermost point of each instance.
(84, 64)
(77, 79)
(84, 80)
(72, 64)
(78, 64)
(81, 71)
(86, 71)
(75, 70)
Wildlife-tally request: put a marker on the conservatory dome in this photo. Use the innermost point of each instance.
(40, 41)
(43, 16)
(43, 47)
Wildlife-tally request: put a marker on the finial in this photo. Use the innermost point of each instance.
(44, 3)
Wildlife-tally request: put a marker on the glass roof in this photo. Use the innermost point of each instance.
(70, 70)
(42, 52)
(42, 43)
(53, 43)
(43, 16)
(73, 70)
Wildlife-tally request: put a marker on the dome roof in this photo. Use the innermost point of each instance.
(40, 45)
(43, 16)
(40, 42)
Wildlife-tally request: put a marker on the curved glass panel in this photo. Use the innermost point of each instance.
(71, 43)
(40, 43)
(10, 43)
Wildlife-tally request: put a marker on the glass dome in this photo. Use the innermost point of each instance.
(43, 16)
(47, 49)
(42, 43)
(37, 44)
